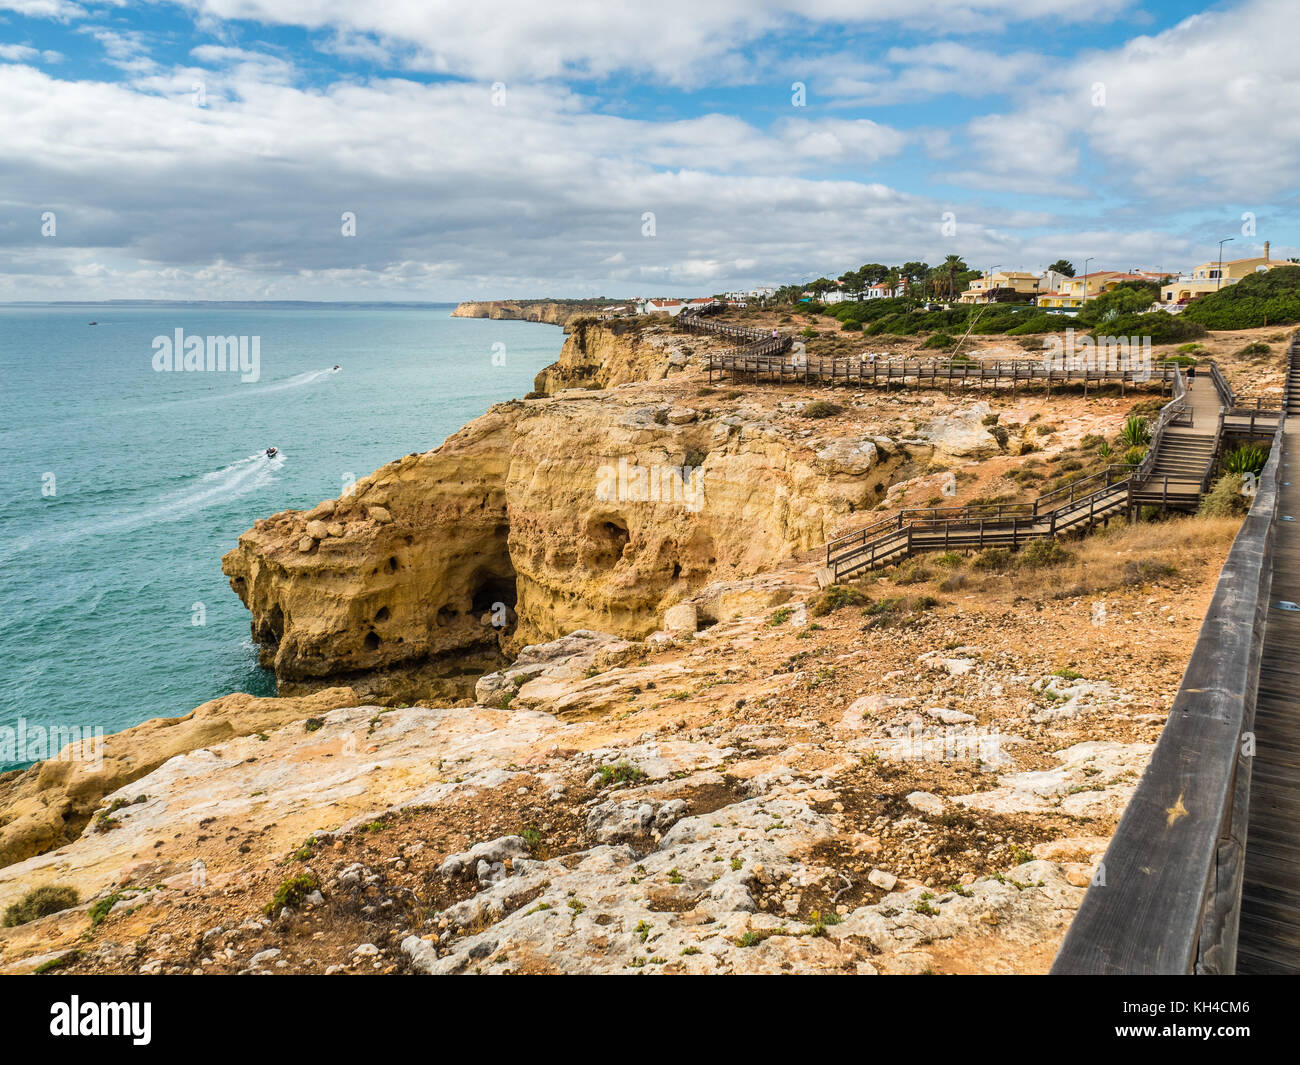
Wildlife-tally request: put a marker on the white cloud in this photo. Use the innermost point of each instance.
(1205, 113)
(683, 41)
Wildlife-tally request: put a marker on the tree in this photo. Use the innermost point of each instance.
(952, 266)
(914, 275)
(1063, 266)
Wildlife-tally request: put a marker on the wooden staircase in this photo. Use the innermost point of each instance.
(1080, 506)
(1174, 474)
(1293, 382)
(1177, 477)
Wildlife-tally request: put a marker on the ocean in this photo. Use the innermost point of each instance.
(123, 484)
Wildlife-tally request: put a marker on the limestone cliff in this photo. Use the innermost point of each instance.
(619, 351)
(593, 510)
(550, 312)
(48, 804)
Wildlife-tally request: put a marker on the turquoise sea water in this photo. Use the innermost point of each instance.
(123, 486)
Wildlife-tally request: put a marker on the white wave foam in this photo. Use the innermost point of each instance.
(218, 486)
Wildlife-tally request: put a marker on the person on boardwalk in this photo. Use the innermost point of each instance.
(1191, 376)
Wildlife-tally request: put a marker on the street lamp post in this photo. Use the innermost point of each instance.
(1086, 261)
(1218, 281)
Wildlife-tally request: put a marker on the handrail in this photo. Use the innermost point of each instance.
(1227, 396)
(1171, 410)
(1167, 898)
(951, 520)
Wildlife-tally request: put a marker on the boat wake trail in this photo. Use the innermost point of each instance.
(209, 489)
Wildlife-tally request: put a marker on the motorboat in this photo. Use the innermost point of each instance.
(271, 452)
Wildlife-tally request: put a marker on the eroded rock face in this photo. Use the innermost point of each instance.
(536, 520)
(602, 355)
(48, 804)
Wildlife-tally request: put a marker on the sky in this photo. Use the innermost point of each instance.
(424, 150)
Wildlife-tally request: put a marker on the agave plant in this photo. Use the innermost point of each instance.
(1249, 458)
(1136, 432)
(1104, 449)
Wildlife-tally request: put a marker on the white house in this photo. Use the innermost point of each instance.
(880, 291)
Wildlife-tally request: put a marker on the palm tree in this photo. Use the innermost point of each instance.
(952, 266)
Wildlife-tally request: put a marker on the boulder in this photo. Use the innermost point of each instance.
(306, 544)
(317, 530)
(379, 514)
(881, 879)
(851, 457)
(681, 618)
(925, 802)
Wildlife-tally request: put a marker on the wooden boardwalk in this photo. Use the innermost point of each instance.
(1269, 936)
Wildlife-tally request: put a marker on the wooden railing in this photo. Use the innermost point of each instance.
(1175, 411)
(979, 525)
(1167, 895)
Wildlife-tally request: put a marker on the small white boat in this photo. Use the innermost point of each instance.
(271, 452)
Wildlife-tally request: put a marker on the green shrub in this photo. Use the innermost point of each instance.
(1042, 554)
(292, 893)
(1258, 347)
(1225, 498)
(41, 902)
(1128, 298)
(1136, 432)
(835, 598)
(993, 558)
(1000, 435)
(1161, 327)
(1249, 458)
(912, 572)
(819, 408)
(1270, 298)
(939, 340)
(1134, 455)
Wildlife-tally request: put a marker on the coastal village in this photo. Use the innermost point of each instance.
(1048, 288)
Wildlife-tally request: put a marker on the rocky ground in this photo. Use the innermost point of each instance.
(684, 756)
(918, 780)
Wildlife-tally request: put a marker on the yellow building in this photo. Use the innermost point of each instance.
(1075, 291)
(1020, 281)
(1212, 276)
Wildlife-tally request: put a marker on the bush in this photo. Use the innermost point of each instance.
(1270, 298)
(835, 598)
(1161, 327)
(1042, 554)
(1000, 435)
(913, 572)
(993, 558)
(1258, 347)
(851, 327)
(41, 902)
(292, 893)
(954, 583)
(1125, 299)
(1136, 432)
(1249, 458)
(939, 340)
(1134, 456)
(1225, 498)
(821, 409)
